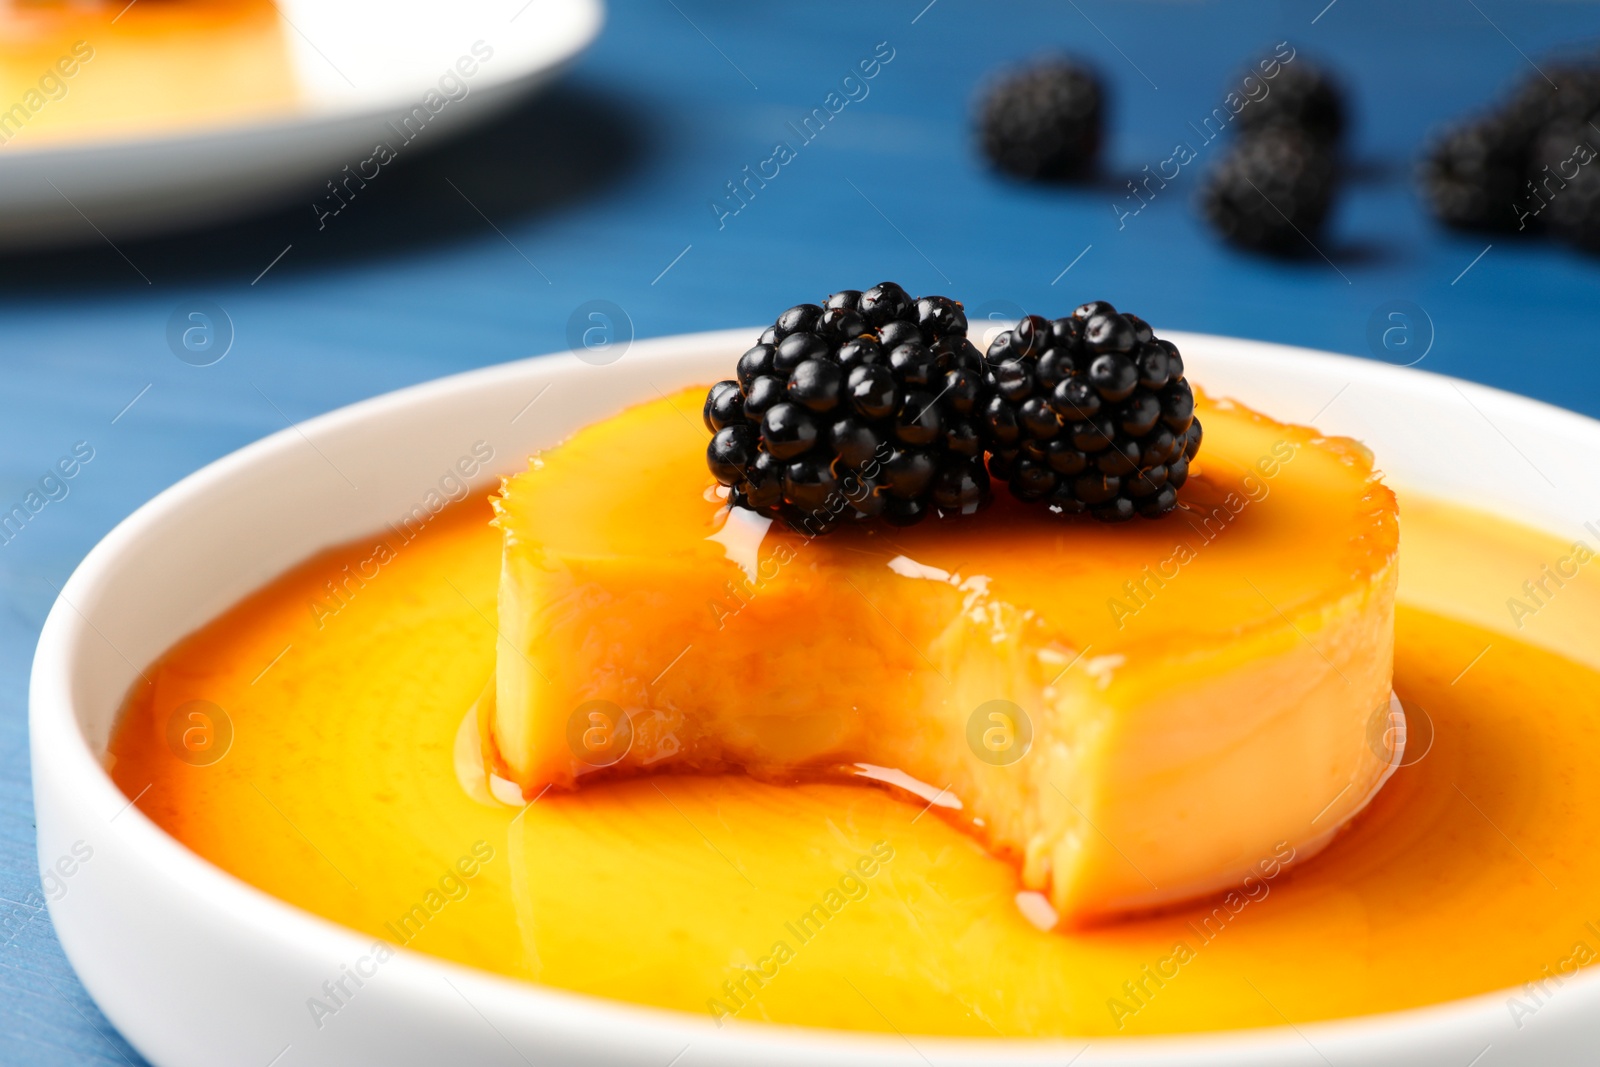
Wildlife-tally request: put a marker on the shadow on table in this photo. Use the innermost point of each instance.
(560, 147)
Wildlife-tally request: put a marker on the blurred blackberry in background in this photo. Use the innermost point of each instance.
(1300, 97)
(1045, 121)
(1481, 173)
(1564, 181)
(1472, 173)
(1566, 90)
(1089, 414)
(1274, 187)
(1271, 192)
(860, 408)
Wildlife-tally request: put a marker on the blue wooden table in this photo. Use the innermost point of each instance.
(613, 188)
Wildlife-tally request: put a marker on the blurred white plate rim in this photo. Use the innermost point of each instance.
(366, 72)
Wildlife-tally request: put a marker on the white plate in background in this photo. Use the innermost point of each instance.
(357, 66)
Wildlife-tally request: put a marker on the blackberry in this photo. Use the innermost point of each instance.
(1089, 414)
(1301, 97)
(1563, 189)
(1565, 90)
(1045, 121)
(1472, 174)
(858, 408)
(1271, 192)
(1475, 174)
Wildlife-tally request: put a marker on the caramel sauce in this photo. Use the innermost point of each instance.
(842, 906)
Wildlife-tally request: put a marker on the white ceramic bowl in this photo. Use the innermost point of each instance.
(358, 65)
(198, 968)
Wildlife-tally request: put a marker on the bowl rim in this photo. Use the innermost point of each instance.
(569, 30)
(61, 754)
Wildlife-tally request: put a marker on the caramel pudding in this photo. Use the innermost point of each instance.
(72, 72)
(349, 781)
(1137, 713)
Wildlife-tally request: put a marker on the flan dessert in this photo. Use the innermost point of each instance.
(1136, 714)
(791, 879)
(77, 72)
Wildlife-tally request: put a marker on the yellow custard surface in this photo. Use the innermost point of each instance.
(1232, 657)
(345, 684)
(73, 72)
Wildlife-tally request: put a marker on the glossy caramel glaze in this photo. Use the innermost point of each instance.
(1472, 871)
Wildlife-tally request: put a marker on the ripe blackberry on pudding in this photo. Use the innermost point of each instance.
(1089, 414)
(862, 407)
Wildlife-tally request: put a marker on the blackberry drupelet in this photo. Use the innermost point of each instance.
(1301, 97)
(1271, 192)
(1045, 121)
(859, 408)
(1089, 413)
